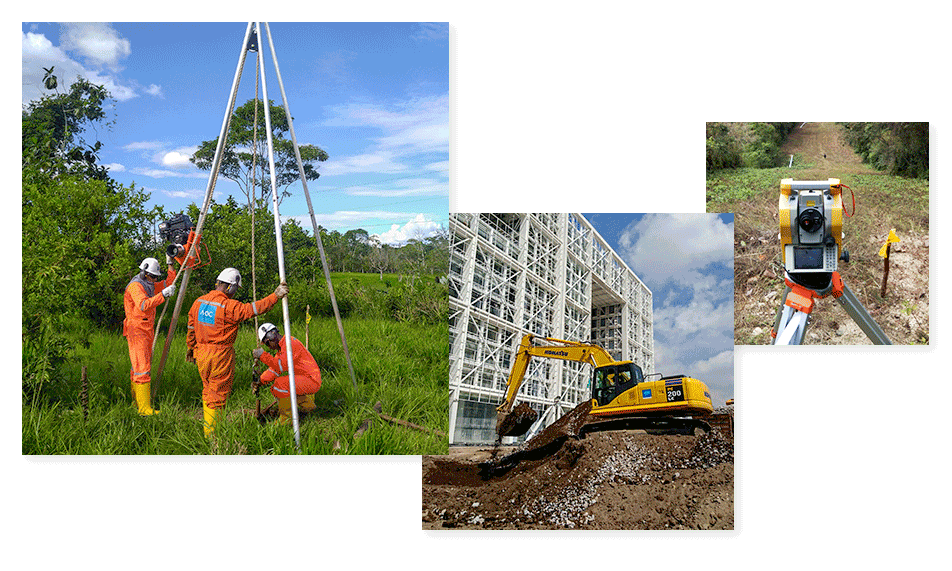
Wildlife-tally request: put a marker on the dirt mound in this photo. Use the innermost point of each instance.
(518, 421)
(608, 480)
(543, 443)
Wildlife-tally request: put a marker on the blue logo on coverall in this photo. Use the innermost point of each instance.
(206, 314)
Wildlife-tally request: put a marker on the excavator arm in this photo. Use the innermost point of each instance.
(510, 422)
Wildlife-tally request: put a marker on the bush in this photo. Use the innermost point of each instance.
(723, 151)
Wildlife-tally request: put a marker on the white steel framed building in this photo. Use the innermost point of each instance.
(551, 275)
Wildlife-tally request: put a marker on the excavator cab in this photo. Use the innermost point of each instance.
(612, 380)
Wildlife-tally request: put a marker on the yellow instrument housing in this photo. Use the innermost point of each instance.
(788, 211)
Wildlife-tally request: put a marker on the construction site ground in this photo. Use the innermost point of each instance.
(882, 202)
(612, 480)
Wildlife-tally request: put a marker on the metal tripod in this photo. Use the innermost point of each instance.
(793, 317)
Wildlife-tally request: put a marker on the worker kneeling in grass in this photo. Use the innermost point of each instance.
(307, 375)
(212, 330)
(139, 301)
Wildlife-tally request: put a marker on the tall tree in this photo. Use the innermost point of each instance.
(53, 128)
(245, 156)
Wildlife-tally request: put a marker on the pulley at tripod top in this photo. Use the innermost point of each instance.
(252, 42)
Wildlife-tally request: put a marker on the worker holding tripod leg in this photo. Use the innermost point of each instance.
(212, 329)
(139, 301)
(307, 375)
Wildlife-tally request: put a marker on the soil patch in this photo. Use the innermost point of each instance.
(606, 480)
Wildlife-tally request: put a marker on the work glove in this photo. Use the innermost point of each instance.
(257, 353)
(168, 259)
(281, 290)
(190, 356)
(169, 291)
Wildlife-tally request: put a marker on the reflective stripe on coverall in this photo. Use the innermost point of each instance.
(212, 329)
(307, 375)
(140, 302)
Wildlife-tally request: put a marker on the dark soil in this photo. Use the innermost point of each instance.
(606, 480)
(518, 421)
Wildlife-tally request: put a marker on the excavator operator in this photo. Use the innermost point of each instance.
(212, 328)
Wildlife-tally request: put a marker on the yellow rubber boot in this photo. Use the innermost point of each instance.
(208, 424)
(306, 403)
(284, 410)
(143, 395)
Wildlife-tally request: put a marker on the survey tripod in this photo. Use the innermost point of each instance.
(797, 303)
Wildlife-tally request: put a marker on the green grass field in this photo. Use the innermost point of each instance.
(402, 365)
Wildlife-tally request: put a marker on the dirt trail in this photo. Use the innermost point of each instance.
(823, 145)
(607, 480)
(903, 313)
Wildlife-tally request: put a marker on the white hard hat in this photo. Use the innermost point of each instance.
(150, 266)
(230, 276)
(264, 330)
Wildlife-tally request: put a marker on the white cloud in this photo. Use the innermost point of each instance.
(381, 162)
(38, 52)
(115, 167)
(418, 228)
(176, 159)
(155, 90)
(163, 173)
(98, 45)
(403, 187)
(659, 247)
(96, 42)
(419, 125)
(143, 145)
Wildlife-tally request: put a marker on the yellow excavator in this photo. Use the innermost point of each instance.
(622, 397)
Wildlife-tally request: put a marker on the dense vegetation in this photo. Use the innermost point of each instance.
(84, 235)
(900, 149)
(754, 145)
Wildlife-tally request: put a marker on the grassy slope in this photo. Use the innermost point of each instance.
(403, 366)
(882, 202)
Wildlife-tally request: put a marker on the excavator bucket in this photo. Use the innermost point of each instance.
(517, 422)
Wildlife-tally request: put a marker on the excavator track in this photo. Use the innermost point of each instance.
(650, 424)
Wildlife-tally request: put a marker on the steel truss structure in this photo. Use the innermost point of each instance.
(548, 274)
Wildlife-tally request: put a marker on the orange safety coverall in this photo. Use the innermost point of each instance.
(307, 375)
(140, 301)
(212, 329)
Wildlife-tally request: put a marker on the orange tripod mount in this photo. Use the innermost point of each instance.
(195, 260)
(793, 317)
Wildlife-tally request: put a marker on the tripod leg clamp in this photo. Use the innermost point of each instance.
(800, 300)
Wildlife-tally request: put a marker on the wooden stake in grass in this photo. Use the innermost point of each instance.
(84, 394)
(884, 253)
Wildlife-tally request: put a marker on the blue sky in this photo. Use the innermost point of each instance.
(375, 97)
(687, 261)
